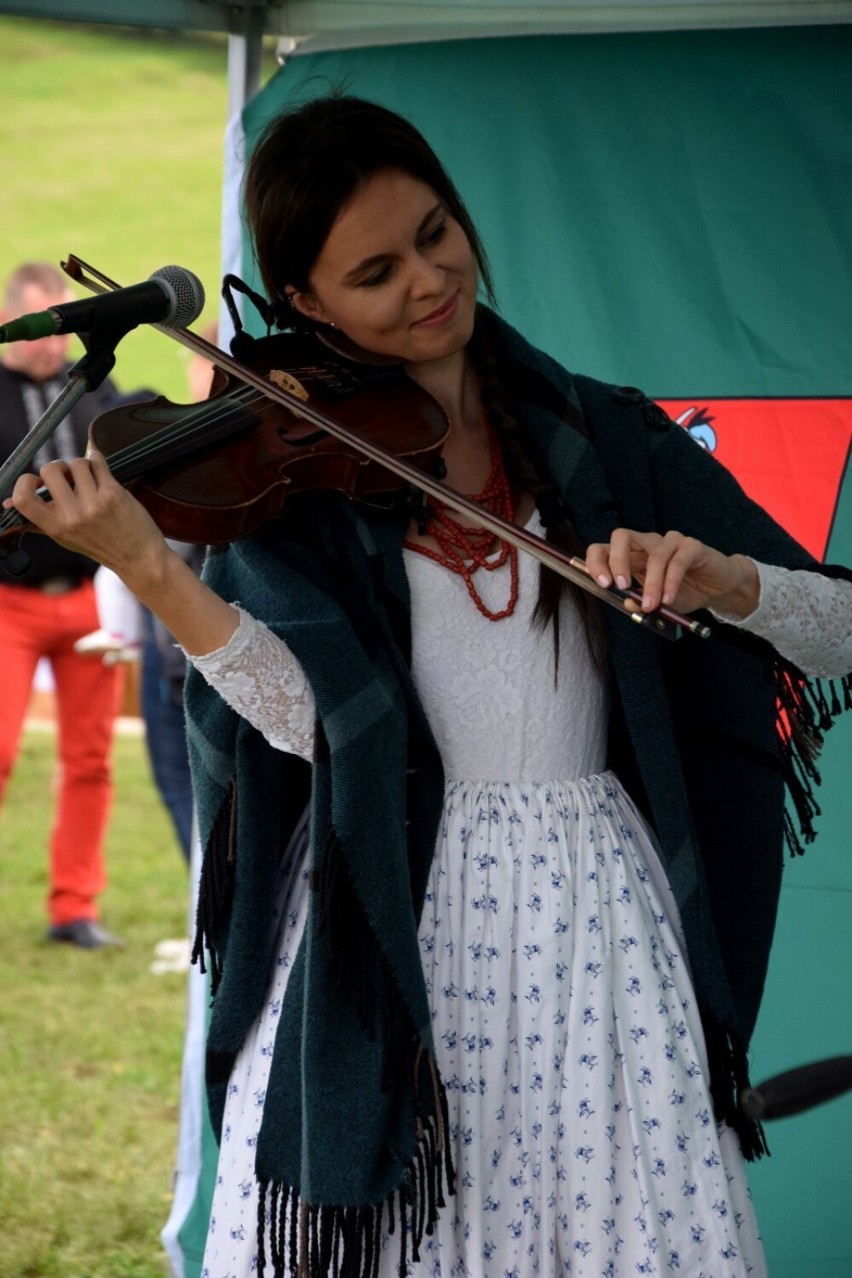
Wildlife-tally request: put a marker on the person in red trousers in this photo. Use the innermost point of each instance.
(43, 613)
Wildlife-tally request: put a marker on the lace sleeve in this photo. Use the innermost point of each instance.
(258, 676)
(806, 617)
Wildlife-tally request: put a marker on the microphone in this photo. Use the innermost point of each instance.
(172, 296)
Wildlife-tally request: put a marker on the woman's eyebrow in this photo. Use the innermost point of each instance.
(376, 258)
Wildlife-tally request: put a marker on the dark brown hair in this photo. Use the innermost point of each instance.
(525, 474)
(307, 165)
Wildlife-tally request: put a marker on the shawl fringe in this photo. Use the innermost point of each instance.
(806, 710)
(361, 971)
(355, 953)
(297, 1239)
(729, 1080)
(216, 887)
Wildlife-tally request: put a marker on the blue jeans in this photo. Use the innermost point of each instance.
(165, 734)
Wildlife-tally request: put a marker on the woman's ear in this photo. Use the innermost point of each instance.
(306, 304)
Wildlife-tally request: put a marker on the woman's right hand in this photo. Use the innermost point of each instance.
(91, 513)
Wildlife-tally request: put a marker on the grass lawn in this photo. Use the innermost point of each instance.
(112, 148)
(112, 143)
(91, 1041)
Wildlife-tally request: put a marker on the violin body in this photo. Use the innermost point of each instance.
(212, 473)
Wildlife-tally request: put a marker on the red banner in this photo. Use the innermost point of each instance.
(790, 455)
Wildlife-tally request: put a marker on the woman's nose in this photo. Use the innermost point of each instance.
(426, 278)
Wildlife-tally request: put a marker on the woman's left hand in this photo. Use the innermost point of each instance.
(677, 571)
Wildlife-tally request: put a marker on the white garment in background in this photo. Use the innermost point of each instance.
(118, 609)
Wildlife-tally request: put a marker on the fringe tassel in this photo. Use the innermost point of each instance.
(360, 969)
(728, 1081)
(300, 1240)
(354, 949)
(805, 713)
(216, 887)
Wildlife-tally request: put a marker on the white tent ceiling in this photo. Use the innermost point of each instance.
(382, 21)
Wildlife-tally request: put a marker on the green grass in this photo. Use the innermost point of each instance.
(112, 144)
(91, 1041)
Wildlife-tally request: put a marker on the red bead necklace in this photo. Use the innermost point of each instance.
(465, 549)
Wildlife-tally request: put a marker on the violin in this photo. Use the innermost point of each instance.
(213, 472)
(307, 412)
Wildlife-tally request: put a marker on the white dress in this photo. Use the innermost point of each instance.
(564, 1020)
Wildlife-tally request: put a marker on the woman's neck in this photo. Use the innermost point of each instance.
(454, 384)
(466, 451)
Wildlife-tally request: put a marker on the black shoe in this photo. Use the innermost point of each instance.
(87, 933)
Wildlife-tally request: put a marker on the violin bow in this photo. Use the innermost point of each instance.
(664, 621)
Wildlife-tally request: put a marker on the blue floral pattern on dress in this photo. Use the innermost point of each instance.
(563, 1013)
(570, 1047)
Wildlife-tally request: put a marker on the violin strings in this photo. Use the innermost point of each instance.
(211, 414)
(124, 461)
(199, 427)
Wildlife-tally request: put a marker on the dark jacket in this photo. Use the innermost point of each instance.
(47, 559)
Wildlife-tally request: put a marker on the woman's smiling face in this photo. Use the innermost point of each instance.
(396, 273)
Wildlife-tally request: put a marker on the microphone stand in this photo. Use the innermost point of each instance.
(86, 375)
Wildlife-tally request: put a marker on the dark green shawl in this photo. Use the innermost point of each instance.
(355, 1113)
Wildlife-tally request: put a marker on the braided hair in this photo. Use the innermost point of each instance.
(525, 476)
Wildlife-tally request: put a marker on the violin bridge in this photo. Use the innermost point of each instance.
(287, 382)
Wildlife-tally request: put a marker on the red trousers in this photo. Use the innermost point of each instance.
(36, 624)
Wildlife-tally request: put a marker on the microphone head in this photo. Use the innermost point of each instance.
(186, 292)
(15, 562)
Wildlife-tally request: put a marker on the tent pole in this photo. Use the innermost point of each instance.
(245, 48)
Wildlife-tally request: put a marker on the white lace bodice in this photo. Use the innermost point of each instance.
(488, 687)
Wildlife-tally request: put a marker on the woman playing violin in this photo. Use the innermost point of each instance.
(490, 877)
